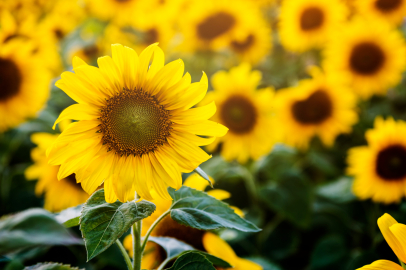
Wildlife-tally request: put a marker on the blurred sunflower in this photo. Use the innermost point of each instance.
(307, 24)
(170, 228)
(213, 24)
(257, 42)
(119, 11)
(24, 87)
(61, 194)
(246, 111)
(136, 130)
(88, 52)
(369, 54)
(394, 234)
(321, 106)
(379, 169)
(392, 11)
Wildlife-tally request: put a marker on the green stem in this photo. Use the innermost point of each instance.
(137, 251)
(161, 267)
(125, 255)
(401, 263)
(152, 228)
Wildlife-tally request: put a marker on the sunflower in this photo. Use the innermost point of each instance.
(320, 106)
(136, 131)
(307, 24)
(61, 194)
(392, 11)
(394, 234)
(379, 169)
(24, 87)
(369, 55)
(246, 111)
(120, 11)
(256, 43)
(170, 228)
(213, 24)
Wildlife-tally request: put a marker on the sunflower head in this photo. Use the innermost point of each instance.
(136, 131)
(245, 110)
(322, 106)
(369, 54)
(392, 11)
(379, 169)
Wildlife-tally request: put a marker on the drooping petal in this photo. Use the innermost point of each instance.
(385, 222)
(78, 112)
(382, 265)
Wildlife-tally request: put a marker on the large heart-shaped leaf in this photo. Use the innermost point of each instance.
(192, 261)
(198, 210)
(69, 217)
(33, 228)
(103, 223)
(51, 266)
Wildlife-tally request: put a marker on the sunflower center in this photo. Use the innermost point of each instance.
(151, 36)
(170, 228)
(134, 123)
(244, 44)
(10, 79)
(313, 110)
(238, 114)
(91, 51)
(215, 25)
(388, 5)
(311, 18)
(391, 163)
(367, 58)
(59, 33)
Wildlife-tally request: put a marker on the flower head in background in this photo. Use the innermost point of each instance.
(395, 235)
(136, 129)
(60, 194)
(369, 54)
(170, 228)
(119, 11)
(213, 24)
(246, 111)
(307, 24)
(392, 11)
(379, 169)
(24, 84)
(321, 106)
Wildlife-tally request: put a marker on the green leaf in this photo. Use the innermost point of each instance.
(172, 246)
(198, 210)
(50, 266)
(192, 261)
(69, 217)
(200, 172)
(103, 223)
(338, 191)
(329, 252)
(291, 196)
(175, 248)
(33, 228)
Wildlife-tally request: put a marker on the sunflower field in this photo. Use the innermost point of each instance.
(191, 134)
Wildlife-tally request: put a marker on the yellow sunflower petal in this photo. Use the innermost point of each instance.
(77, 112)
(385, 222)
(382, 265)
(216, 246)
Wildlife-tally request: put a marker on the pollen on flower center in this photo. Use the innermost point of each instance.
(215, 25)
(391, 163)
(311, 18)
(313, 110)
(238, 114)
(134, 123)
(10, 78)
(387, 5)
(367, 58)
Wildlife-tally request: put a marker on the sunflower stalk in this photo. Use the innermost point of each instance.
(137, 250)
(125, 254)
(144, 243)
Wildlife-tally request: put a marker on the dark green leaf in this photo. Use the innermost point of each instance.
(192, 261)
(200, 172)
(198, 210)
(328, 253)
(216, 261)
(69, 217)
(172, 246)
(338, 191)
(291, 197)
(33, 228)
(50, 266)
(103, 223)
